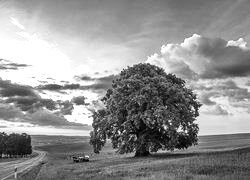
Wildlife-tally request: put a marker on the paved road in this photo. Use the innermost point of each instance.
(7, 168)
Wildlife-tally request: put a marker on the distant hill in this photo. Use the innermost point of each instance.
(39, 140)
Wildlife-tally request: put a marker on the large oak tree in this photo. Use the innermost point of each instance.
(146, 110)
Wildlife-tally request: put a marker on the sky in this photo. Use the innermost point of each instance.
(58, 57)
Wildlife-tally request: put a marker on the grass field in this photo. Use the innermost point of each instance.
(216, 157)
(40, 140)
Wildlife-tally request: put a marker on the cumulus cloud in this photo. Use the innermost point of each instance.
(10, 112)
(205, 98)
(248, 83)
(232, 91)
(216, 110)
(96, 105)
(202, 57)
(46, 118)
(228, 90)
(21, 103)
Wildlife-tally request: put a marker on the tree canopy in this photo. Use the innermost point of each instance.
(146, 110)
(15, 144)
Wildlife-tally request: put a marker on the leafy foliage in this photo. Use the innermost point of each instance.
(15, 144)
(146, 110)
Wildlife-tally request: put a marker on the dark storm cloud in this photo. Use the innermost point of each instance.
(79, 100)
(84, 78)
(101, 84)
(64, 81)
(225, 60)
(47, 103)
(204, 57)
(17, 65)
(50, 87)
(57, 87)
(107, 79)
(25, 98)
(8, 65)
(65, 107)
(40, 117)
(8, 89)
(71, 86)
(25, 103)
(31, 104)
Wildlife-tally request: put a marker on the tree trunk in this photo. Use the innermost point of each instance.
(142, 151)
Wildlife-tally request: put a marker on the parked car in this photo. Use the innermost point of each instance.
(77, 159)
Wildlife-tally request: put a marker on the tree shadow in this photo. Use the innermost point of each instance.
(174, 155)
(177, 155)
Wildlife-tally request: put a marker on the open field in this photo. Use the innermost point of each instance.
(216, 157)
(40, 140)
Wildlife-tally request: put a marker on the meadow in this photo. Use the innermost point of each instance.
(216, 157)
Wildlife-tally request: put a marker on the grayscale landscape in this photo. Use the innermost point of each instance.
(125, 89)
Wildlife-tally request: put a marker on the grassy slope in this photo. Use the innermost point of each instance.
(212, 159)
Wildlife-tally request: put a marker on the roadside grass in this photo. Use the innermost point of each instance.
(31, 174)
(196, 163)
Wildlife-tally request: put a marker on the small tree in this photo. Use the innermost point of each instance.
(146, 110)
